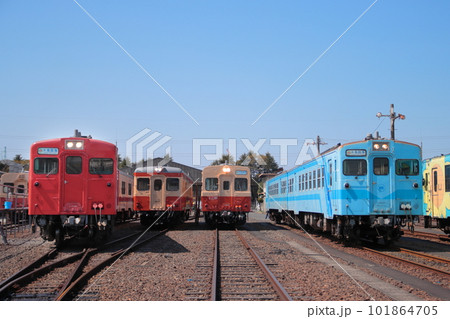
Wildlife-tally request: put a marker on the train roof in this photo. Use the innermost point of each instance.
(339, 145)
(156, 169)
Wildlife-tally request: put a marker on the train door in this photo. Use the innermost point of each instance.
(381, 181)
(157, 192)
(74, 184)
(225, 192)
(434, 191)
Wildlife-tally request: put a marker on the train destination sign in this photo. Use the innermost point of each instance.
(355, 153)
(48, 151)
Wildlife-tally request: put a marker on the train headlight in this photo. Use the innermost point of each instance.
(226, 169)
(74, 145)
(381, 146)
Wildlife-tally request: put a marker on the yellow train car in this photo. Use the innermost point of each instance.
(436, 192)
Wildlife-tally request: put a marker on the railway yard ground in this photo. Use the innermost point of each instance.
(179, 266)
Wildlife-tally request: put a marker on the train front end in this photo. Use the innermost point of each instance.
(226, 194)
(73, 187)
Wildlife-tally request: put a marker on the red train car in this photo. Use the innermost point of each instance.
(73, 187)
(162, 195)
(226, 194)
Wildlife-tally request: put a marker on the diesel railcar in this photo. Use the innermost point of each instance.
(162, 195)
(226, 194)
(366, 189)
(14, 190)
(436, 192)
(73, 187)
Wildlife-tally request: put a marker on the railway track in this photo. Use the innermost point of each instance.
(46, 279)
(419, 234)
(439, 263)
(240, 274)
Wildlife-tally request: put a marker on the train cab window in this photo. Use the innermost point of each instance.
(73, 165)
(241, 184)
(8, 188)
(447, 178)
(355, 167)
(101, 166)
(157, 185)
(407, 167)
(226, 185)
(43, 165)
(20, 189)
(172, 184)
(381, 166)
(211, 184)
(143, 184)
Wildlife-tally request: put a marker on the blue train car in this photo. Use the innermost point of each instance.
(367, 189)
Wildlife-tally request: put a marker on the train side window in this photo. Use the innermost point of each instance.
(241, 184)
(101, 166)
(211, 184)
(226, 185)
(43, 165)
(157, 185)
(143, 184)
(309, 180)
(172, 184)
(8, 188)
(318, 178)
(435, 181)
(129, 188)
(123, 188)
(447, 178)
(381, 166)
(283, 187)
(323, 176)
(314, 179)
(73, 165)
(20, 189)
(355, 167)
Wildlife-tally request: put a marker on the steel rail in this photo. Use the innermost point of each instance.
(281, 292)
(38, 262)
(215, 294)
(407, 261)
(428, 235)
(431, 257)
(81, 280)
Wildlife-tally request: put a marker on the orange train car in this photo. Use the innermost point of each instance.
(226, 194)
(162, 195)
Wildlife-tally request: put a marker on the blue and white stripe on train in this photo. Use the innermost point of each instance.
(369, 189)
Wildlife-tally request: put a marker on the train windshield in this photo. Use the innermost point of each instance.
(143, 184)
(73, 165)
(240, 184)
(102, 166)
(212, 184)
(44, 165)
(172, 184)
(355, 167)
(407, 167)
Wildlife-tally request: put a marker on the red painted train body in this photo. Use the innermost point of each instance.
(226, 194)
(73, 187)
(162, 195)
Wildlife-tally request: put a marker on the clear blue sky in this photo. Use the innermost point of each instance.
(225, 62)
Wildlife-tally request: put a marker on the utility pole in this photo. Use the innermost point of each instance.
(318, 142)
(393, 116)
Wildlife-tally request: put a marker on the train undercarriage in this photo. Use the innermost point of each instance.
(351, 229)
(58, 227)
(166, 218)
(213, 219)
